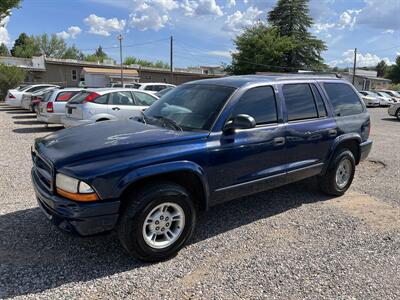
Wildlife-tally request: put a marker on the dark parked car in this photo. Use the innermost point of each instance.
(203, 143)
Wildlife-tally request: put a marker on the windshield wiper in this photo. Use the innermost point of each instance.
(169, 122)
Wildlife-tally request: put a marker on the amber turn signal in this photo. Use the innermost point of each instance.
(78, 197)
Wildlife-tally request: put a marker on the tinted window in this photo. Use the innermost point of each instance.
(122, 98)
(344, 100)
(117, 85)
(158, 88)
(101, 99)
(144, 99)
(79, 98)
(259, 103)
(299, 101)
(318, 100)
(148, 88)
(46, 96)
(192, 106)
(36, 88)
(65, 96)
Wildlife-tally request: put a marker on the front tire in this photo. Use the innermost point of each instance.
(339, 175)
(157, 221)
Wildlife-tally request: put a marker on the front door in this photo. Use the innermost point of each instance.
(249, 160)
(122, 105)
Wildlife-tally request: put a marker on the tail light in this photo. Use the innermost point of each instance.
(91, 97)
(49, 107)
(11, 96)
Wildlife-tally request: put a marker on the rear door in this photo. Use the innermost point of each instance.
(122, 105)
(310, 131)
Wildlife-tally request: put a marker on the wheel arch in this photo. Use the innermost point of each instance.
(187, 174)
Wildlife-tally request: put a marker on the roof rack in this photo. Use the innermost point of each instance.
(300, 74)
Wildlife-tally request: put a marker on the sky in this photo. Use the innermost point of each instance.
(203, 30)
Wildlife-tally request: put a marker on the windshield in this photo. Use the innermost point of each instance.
(191, 106)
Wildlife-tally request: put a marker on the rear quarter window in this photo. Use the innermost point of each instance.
(65, 96)
(344, 99)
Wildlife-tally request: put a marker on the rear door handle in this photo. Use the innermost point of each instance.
(116, 108)
(279, 141)
(332, 132)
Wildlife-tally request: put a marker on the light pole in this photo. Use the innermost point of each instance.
(120, 38)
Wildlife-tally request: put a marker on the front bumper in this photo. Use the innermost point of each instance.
(78, 218)
(365, 149)
(70, 122)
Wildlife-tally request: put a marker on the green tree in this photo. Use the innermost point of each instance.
(381, 68)
(50, 46)
(291, 18)
(4, 50)
(6, 6)
(260, 49)
(393, 73)
(100, 54)
(130, 60)
(10, 77)
(73, 53)
(25, 46)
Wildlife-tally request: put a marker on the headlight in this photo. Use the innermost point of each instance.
(74, 189)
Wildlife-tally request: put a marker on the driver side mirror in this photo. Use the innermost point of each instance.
(241, 121)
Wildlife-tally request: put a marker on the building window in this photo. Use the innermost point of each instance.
(74, 75)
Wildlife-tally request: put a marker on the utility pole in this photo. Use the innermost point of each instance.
(354, 65)
(120, 38)
(171, 67)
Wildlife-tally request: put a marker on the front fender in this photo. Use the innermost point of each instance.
(165, 168)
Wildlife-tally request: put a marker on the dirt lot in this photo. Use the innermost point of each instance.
(291, 242)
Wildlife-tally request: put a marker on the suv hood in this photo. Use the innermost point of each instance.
(102, 138)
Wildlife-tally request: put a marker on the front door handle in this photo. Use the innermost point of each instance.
(116, 108)
(279, 141)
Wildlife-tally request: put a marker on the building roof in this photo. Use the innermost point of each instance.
(111, 72)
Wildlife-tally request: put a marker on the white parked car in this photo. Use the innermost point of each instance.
(14, 96)
(97, 105)
(27, 98)
(52, 107)
(386, 99)
(153, 87)
(394, 110)
(370, 101)
(395, 95)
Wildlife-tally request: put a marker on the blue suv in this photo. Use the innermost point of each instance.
(203, 143)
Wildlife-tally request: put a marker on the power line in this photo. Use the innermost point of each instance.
(127, 46)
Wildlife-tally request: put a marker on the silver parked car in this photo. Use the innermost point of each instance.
(96, 105)
(394, 110)
(369, 99)
(27, 98)
(52, 107)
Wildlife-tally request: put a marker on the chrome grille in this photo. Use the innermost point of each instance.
(43, 172)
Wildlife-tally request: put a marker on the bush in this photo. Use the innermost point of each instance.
(10, 77)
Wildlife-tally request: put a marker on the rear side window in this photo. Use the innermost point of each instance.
(259, 103)
(65, 96)
(101, 99)
(46, 96)
(79, 98)
(144, 99)
(318, 100)
(299, 101)
(343, 98)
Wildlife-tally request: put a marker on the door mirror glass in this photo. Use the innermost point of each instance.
(241, 121)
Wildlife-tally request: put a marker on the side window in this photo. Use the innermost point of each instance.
(259, 103)
(320, 103)
(344, 100)
(101, 100)
(144, 99)
(65, 96)
(121, 98)
(36, 88)
(148, 88)
(299, 101)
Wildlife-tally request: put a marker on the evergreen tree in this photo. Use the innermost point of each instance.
(25, 46)
(381, 68)
(4, 50)
(73, 53)
(100, 54)
(393, 72)
(291, 19)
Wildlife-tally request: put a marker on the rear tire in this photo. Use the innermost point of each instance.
(398, 114)
(157, 221)
(339, 175)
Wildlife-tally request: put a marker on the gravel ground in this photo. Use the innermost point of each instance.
(292, 242)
